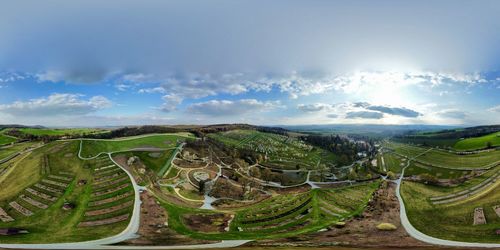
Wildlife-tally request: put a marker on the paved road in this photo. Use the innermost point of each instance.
(413, 232)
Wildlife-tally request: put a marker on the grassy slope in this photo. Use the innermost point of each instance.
(5, 139)
(453, 222)
(53, 224)
(7, 151)
(445, 159)
(94, 147)
(478, 142)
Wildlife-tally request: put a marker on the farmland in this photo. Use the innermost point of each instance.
(60, 132)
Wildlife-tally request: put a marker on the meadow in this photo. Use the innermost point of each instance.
(476, 143)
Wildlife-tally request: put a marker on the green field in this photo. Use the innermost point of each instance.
(91, 148)
(6, 139)
(282, 151)
(52, 224)
(478, 142)
(451, 221)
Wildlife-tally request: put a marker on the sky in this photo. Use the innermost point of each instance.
(120, 62)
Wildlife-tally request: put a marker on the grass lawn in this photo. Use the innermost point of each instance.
(478, 142)
(165, 141)
(53, 224)
(448, 221)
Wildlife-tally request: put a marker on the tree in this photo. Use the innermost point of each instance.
(489, 145)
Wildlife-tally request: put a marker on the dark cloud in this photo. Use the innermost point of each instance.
(394, 111)
(364, 115)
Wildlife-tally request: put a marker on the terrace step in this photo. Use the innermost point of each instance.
(4, 217)
(103, 168)
(104, 221)
(33, 202)
(109, 183)
(22, 210)
(111, 190)
(58, 177)
(50, 189)
(108, 177)
(41, 195)
(109, 209)
(55, 183)
(109, 200)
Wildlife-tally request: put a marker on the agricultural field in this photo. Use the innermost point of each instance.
(52, 182)
(277, 151)
(91, 148)
(476, 143)
(60, 132)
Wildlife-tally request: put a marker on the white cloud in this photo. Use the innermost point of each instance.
(315, 107)
(230, 108)
(170, 102)
(495, 109)
(56, 105)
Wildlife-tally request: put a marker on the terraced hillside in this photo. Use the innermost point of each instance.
(276, 217)
(51, 194)
(277, 150)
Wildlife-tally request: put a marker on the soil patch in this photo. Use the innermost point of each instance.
(207, 222)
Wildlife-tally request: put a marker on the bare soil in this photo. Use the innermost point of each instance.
(153, 228)
(207, 222)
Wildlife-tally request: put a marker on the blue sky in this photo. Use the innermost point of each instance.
(97, 63)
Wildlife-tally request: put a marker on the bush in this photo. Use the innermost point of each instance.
(386, 227)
